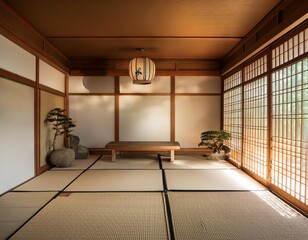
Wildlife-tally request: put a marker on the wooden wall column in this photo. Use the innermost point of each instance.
(172, 109)
(117, 109)
(37, 103)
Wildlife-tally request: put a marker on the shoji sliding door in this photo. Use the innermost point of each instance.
(255, 127)
(255, 117)
(290, 117)
(233, 114)
(271, 93)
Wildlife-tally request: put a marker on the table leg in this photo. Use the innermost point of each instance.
(171, 155)
(113, 155)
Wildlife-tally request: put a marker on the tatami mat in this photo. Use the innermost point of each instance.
(17, 207)
(210, 180)
(234, 215)
(127, 162)
(100, 216)
(49, 181)
(118, 180)
(195, 162)
(79, 164)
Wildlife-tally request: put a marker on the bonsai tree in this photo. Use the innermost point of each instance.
(61, 124)
(215, 140)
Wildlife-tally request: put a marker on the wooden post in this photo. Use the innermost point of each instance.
(113, 155)
(171, 155)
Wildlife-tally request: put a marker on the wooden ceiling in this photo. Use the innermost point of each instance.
(114, 29)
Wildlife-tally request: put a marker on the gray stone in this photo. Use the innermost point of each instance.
(81, 152)
(62, 157)
(74, 141)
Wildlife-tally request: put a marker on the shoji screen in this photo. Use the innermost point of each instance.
(17, 101)
(255, 127)
(255, 118)
(54, 79)
(17, 134)
(51, 77)
(233, 114)
(290, 117)
(275, 137)
(16, 60)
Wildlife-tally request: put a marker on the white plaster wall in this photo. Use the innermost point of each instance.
(16, 60)
(158, 85)
(51, 77)
(194, 115)
(91, 84)
(94, 117)
(198, 84)
(144, 118)
(16, 134)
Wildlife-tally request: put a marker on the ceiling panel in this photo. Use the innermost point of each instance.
(169, 29)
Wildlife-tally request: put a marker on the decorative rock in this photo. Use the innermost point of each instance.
(81, 152)
(62, 157)
(74, 141)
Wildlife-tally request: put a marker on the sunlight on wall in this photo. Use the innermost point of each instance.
(145, 118)
(194, 115)
(144, 110)
(94, 117)
(91, 84)
(158, 85)
(199, 84)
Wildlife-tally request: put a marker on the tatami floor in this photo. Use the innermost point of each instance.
(147, 197)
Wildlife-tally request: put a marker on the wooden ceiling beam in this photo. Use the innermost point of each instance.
(169, 67)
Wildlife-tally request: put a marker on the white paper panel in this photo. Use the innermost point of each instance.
(198, 84)
(17, 134)
(16, 60)
(48, 102)
(158, 85)
(144, 118)
(91, 84)
(51, 77)
(94, 116)
(193, 115)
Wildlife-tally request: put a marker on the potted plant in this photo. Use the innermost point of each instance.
(214, 139)
(60, 124)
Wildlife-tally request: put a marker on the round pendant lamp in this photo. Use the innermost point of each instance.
(141, 70)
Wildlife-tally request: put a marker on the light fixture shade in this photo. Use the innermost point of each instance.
(141, 70)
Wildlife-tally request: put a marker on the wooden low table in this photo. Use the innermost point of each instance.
(143, 146)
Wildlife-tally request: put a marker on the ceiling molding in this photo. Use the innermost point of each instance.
(279, 19)
(15, 28)
(170, 67)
